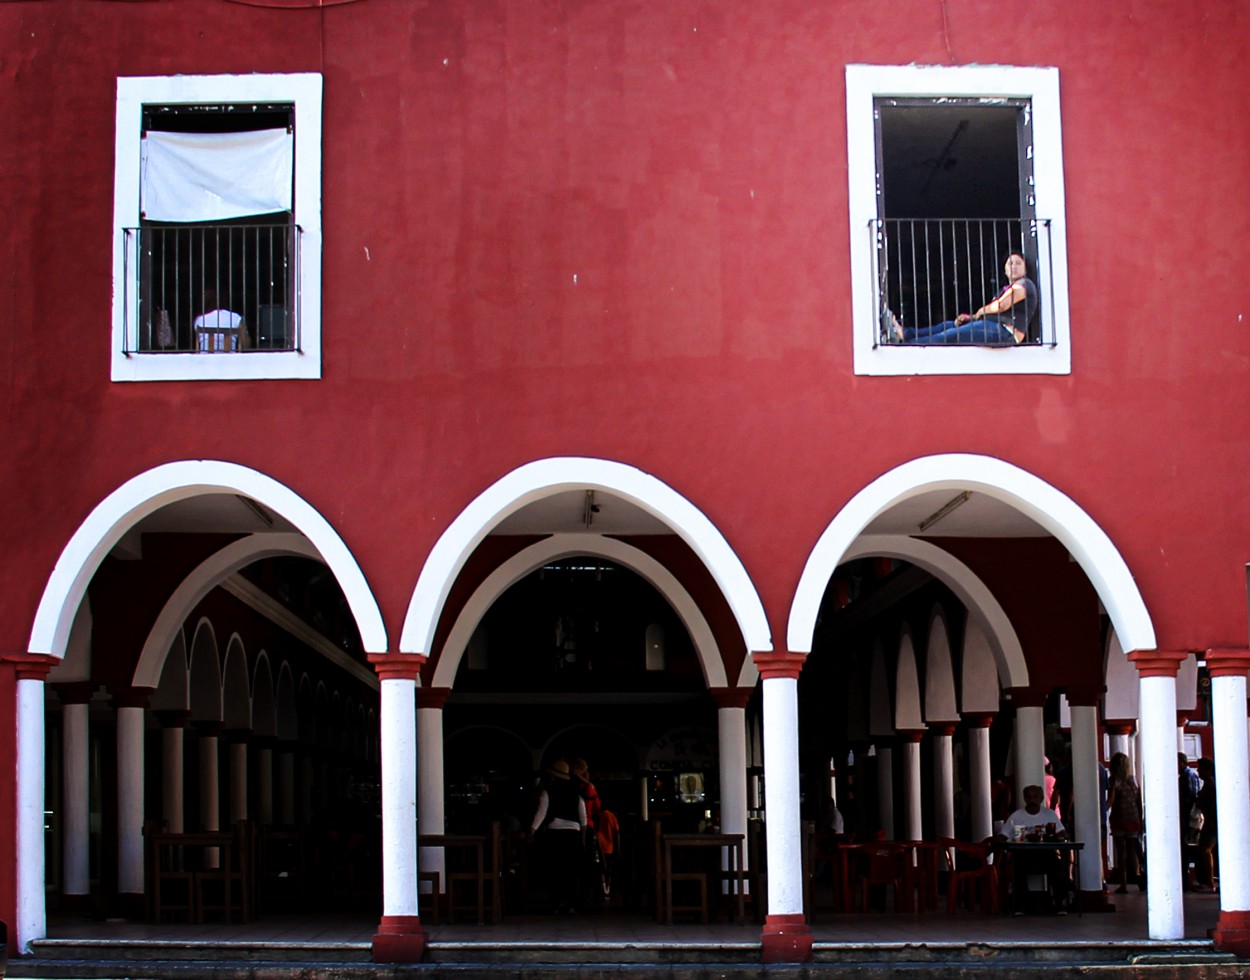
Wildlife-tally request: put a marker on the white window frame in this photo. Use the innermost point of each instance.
(303, 90)
(866, 83)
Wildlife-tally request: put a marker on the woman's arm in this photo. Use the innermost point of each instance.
(1005, 300)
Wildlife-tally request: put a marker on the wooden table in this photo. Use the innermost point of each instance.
(1071, 848)
(474, 843)
(733, 843)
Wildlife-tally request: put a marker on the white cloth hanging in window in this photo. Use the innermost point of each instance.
(214, 176)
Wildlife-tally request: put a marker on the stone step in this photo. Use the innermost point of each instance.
(150, 960)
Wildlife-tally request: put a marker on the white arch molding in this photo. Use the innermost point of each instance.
(983, 608)
(567, 545)
(1053, 510)
(199, 583)
(545, 477)
(166, 484)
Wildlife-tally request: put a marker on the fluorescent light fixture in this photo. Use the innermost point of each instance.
(956, 501)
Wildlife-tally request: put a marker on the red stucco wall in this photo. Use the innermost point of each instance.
(687, 164)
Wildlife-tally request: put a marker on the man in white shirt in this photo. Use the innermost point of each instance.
(1034, 822)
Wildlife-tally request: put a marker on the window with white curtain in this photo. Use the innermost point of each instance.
(217, 225)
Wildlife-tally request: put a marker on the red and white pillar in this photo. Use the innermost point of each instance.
(731, 716)
(943, 779)
(30, 672)
(400, 937)
(130, 707)
(173, 769)
(1232, 766)
(75, 789)
(1030, 765)
(1120, 737)
(981, 790)
(1086, 823)
(786, 937)
(430, 781)
(1156, 669)
(913, 812)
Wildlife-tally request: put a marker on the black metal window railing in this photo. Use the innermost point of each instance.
(221, 288)
(928, 271)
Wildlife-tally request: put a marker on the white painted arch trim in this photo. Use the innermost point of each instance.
(192, 590)
(967, 586)
(165, 484)
(1035, 498)
(567, 545)
(545, 477)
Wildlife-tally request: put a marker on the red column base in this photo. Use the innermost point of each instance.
(1232, 933)
(1095, 901)
(400, 939)
(786, 939)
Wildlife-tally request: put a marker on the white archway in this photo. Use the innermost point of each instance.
(165, 484)
(1053, 510)
(983, 608)
(202, 580)
(563, 546)
(546, 477)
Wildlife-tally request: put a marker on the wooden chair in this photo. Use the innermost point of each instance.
(433, 901)
(970, 875)
(489, 884)
(228, 888)
(169, 875)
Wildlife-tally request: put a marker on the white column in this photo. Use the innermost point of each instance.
(1030, 749)
(781, 795)
(76, 805)
(1232, 768)
(173, 776)
(430, 782)
(885, 790)
(731, 719)
(981, 790)
(1121, 739)
(1086, 823)
(399, 795)
(1165, 912)
(911, 785)
(130, 800)
(210, 793)
(286, 788)
(31, 921)
(264, 786)
(943, 781)
(238, 779)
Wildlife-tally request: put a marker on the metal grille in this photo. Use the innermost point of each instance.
(244, 277)
(930, 270)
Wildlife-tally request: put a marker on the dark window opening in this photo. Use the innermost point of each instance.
(220, 285)
(954, 199)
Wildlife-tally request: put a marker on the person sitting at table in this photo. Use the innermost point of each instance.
(1034, 822)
